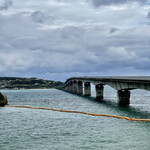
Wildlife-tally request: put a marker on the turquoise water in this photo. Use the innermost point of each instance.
(28, 129)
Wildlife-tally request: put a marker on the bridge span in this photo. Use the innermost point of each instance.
(123, 85)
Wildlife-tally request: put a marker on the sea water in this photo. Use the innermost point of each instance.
(30, 129)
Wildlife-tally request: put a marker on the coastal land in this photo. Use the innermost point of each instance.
(27, 83)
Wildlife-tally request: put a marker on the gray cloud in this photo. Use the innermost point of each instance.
(98, 3)
(40, 17)
(56, 37)
(5, 4)
(69, 49)
(112, 30)
(148, 15)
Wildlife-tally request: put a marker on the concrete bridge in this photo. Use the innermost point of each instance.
(123, 85)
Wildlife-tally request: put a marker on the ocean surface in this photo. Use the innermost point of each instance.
(29, 129)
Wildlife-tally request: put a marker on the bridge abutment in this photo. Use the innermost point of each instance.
(123, 97)
(87, 89)
(99, 91)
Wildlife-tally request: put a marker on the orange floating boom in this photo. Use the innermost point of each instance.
(92, 114)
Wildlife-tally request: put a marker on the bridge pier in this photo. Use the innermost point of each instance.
(74, 87)
(67, 87)
(87, 89)
(80, 88)
(70, 87)
(99, 91)
(123, 97)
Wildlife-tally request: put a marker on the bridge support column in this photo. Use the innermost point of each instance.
(80, 88)
(99, 91)
(71, 87)
(87, 89)
(74, 87)
(123, 97)
(66, 88)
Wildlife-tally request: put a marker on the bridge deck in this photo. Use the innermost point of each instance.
(139, 79)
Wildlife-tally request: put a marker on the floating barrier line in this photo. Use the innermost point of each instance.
(92, 114)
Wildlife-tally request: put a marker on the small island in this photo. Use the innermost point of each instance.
(16, 83)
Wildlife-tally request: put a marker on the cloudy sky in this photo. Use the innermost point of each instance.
(58, 39)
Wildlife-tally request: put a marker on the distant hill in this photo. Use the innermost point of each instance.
(27, 83)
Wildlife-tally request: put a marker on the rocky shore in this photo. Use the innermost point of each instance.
(3, 100)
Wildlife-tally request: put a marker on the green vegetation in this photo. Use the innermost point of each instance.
(27, 83)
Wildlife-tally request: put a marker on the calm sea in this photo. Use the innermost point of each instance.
(28, 129)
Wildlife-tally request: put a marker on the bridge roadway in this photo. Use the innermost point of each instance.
(123, 85)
